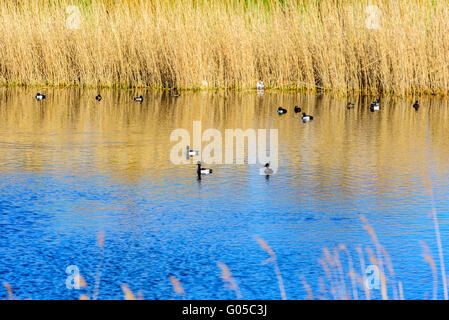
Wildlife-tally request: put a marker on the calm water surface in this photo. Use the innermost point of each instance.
(72, 167)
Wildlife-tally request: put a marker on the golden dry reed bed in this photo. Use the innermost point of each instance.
(289, 44)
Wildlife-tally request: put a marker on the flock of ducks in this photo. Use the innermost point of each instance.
(174, 94)
(204, 171)
(374, 106)
(304, 117)
(199, 170)
(191, 153)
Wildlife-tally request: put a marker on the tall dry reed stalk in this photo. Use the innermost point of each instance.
(100, 242)
(314, 44)
(128, 294)
(436, 226)
(177, 287)
(427, 255)
(273, 259)
(227, 277)
(8, 290)
(343, 282)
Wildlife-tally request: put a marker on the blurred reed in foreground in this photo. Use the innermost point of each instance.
(341, 280)
(289, 44)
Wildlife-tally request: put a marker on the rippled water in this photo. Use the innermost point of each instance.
(72, 167)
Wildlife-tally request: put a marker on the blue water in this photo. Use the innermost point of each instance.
(71, 168)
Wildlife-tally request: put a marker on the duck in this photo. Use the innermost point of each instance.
(374, 105)
(297, 109)
(40, 96)
(282, 110)
(416, 105)
(260, 85)
(350, 105)
(268, 171)
(201, 171)
(98, 97)
(306, 117)
(191, 153)
(138, 99)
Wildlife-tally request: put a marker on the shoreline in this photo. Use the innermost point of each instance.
(299, 90)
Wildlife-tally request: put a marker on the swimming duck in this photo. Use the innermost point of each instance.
(98, 97)
(297, 109)
(374, 106)
(191, 153)
(40, 97)
(267, 170)
(260, 85)
(201, 171)
(282, 110)
(350, 105)
(416, 105)
(306, 117)
(138, 99)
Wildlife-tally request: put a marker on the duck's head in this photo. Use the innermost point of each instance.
(198, 163)
(304, 114)
(267, 165)
(416, 102)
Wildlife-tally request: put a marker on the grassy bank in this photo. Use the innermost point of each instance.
(326, 44)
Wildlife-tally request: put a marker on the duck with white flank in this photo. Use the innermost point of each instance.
(200, 171)
(40, 97)
(416, 105)
(191, 153)
(375, 106)
(297, 109)
(306, 117)
(98, 97)
(138, 99)
(282, 110)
